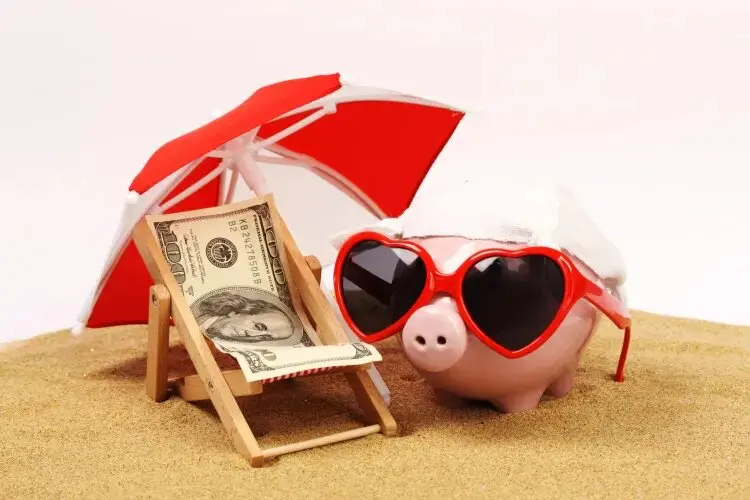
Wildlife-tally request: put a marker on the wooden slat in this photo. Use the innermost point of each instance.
(191, 388)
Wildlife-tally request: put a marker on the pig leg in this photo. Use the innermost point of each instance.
(448, 399)
(522, 401)
(563, 384)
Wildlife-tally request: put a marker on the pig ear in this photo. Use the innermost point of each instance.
(389, 227)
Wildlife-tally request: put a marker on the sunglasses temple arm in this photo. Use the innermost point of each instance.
(607, 305)
(620, 375)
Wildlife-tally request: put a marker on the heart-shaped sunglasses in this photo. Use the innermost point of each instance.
(512, 300)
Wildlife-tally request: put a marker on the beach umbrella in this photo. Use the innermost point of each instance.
(375, 145)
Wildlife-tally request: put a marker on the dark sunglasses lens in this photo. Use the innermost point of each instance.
(380, 284)
(514, 300)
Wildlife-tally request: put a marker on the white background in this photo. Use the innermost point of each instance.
(640, 107)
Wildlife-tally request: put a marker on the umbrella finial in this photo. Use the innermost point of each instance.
(244, 163)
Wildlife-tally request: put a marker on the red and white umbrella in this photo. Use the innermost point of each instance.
(360, 139)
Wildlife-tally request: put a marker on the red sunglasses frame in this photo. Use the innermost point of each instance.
(577, 286)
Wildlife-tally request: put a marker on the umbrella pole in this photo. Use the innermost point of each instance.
(245, 164)
(232, 186)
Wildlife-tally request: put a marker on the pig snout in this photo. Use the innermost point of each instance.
(434, 338)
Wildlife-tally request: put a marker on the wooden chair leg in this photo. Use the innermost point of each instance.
(365, 390)
(158, 344)
(372, 402)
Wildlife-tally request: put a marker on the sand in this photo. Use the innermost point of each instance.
(76, 423)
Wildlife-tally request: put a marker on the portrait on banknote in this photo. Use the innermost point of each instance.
(247, 315)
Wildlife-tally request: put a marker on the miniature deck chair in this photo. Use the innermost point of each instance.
(223, 387)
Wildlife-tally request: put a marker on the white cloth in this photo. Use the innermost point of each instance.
(519, 211)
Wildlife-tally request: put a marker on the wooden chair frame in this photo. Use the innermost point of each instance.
(223, 387)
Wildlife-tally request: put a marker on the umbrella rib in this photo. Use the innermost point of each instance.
(332, 176)
(280, 161)
(195, 187)
(328, 109)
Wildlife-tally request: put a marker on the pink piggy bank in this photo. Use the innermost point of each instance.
(496, 304)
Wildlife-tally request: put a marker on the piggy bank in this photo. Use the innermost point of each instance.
(494, 304)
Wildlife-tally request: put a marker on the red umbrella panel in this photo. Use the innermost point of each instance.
(375, 145)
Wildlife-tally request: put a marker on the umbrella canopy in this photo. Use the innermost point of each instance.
(375, 145)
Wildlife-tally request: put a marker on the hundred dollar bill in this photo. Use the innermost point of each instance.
(230, 267)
